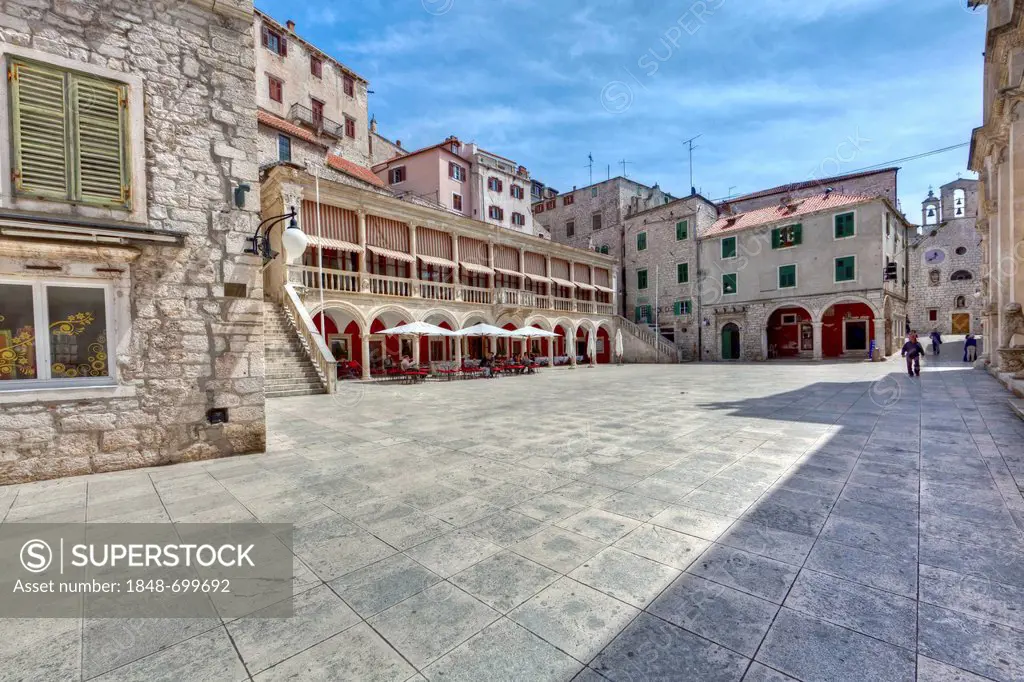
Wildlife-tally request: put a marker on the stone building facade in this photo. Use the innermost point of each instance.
(661, 269)
(381, 148)
(300, 84)
(945, 263)
(130, 319)
(997, 155)
(804, 278)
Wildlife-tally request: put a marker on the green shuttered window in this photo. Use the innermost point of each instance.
(729, 283)
(641, 279)
(70, 135)
(844, 225)
(682, 227)
(784, 237)
(846, 269)
(641, 241)
(681, 307)
(787, 276)
(682, 273)
(729, 247)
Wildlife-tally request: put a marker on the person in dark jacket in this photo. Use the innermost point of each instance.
(912, 351)
(970, 348)
(936, 341)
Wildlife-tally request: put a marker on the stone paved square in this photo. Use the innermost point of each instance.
(753, 522)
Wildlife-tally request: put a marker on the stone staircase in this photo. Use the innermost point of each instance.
(289, 370)
(665, 349)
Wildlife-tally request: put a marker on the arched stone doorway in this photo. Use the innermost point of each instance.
(847, 329)
(386, 351)
(343, 334)
(790, 333)
(474, 347)
(730, 341)
(604, 346)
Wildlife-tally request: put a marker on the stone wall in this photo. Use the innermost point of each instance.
(182, 346)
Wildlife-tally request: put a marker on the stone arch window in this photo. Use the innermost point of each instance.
(961, 250)
(960, 302)
(959, 203)
(961, 276)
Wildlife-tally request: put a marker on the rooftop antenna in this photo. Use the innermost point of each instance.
(729, 193)
(609, 171)
(624, 162)
(590, 165)
(692, 147)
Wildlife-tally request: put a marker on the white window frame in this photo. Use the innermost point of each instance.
(138, 212)
(789, 226)
(796, 274)
(844, 281)
(789, 318)
(637, 242)
(836, 215)
(43, 380)
(867, 334)
(735, 253)
(737, 276)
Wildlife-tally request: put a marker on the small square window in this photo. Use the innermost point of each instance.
(846, 269)
(844, 225)
(396, 175)
(729, 247)
(570, 228)
(349, 86)
(595, 222)
(284, 148)
(933, 315)
(787, 276)
(729, 283)
(641, 241)
(350, 127)
(785, 237)
(316, 67)
(641, 279)
(682, 228)
(457, 201)
(682, 273)
(567, 200)
(276, 88)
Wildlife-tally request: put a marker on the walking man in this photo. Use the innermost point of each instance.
(912, 351)
(936, 341)
(970, 348)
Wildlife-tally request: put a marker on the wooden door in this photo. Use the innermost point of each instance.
(961, 323)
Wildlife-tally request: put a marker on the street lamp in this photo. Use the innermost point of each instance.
(294, 240)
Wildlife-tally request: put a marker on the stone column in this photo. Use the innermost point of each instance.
(573, 291)
(570, 344)
(879, 339)
(366, 355)
(364, 282)
(416, 350)
(414, 266)
(455, 270)
(458, 352)
(490, 262)
(551, 351)
(816, 335)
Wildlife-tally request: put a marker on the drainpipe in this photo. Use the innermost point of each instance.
(700, 314)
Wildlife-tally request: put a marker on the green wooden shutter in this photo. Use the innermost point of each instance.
(776, 237)
(636, 317)
(677, 307)
(40, 124)
(798, 233)
(681, 228)
(99, 109)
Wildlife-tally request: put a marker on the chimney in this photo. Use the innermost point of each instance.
(291, 25)
(398, 143)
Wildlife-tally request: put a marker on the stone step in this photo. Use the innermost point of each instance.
(295, 392)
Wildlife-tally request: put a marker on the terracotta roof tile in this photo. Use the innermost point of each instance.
(795, 186)
(784, 212)
(354, 169)
(278, 123)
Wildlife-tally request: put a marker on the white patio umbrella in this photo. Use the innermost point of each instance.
(591, 349)
(533, 332)
(618, 345)
(484, 329)
(417, 329)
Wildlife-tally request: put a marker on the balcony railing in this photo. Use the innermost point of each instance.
(300, 113)
(346, 281)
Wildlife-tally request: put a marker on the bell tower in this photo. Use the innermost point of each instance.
(931, 209)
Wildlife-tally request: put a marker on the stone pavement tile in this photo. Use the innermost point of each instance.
(504, 495)
(637, 467)
(611, 478)
(930, 670)
(287, 507)
(427, 625)
(145, 508)
(41, 648)
(768, 513)
(873, 537)
(430, 496)
(906, 481)
(505, 528)
(692, 521)
(625, 576)
(407, 530)
(633, 506)
(209, 656)
(597, 524)
(905, 519)
(575, 618)
(762, 673)
(810, 649)
(463, 510)
(109, 643)
(651, 649)
(264, 641)
(505, 580)
(335, 546)
(450, 553)
(961, 493)
(977, 646)
(659, 489)
(663, 545)
(878, 614)
(218, 507)
(973, 595)
(725, 616)
(502, 652)
(558, 548)
(355, 655)
(781, 545)
(993, 516)
(885, 497)
(756, 575)
(549, 507)
(588, 675)
(58, 511)
(585, 493)
(383, 584)
(980, 562)
(799, 500)
(716, 503)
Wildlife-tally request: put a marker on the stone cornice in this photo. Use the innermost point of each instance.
(236, 9)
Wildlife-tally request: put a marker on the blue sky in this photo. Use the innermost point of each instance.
(780, 90)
